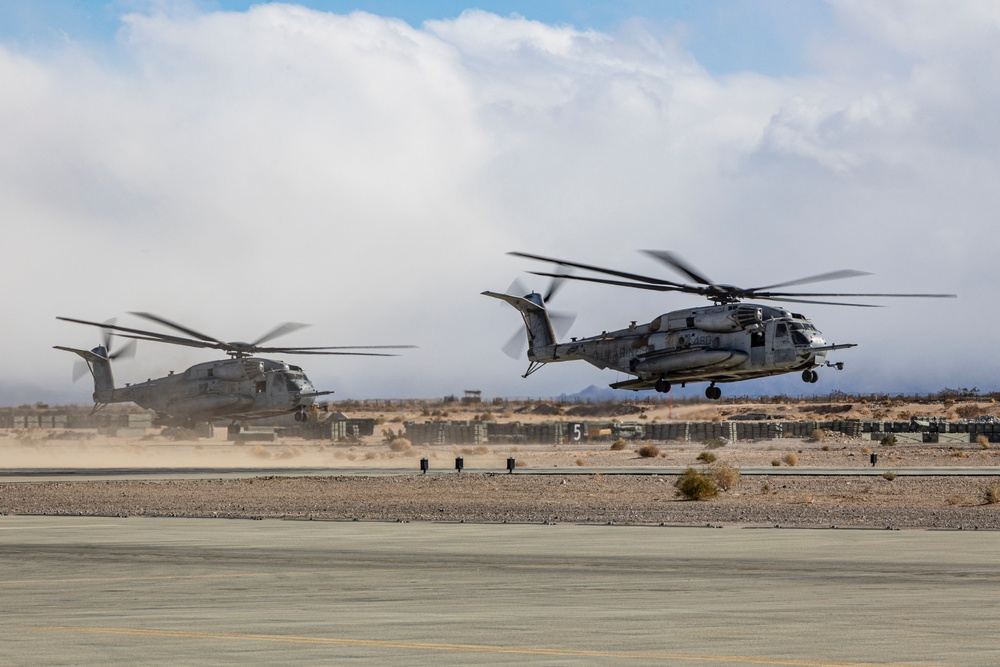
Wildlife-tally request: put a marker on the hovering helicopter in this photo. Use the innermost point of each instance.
(728, 341)
(240, 388)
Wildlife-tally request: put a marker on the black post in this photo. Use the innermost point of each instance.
(424, 465)
(511, 464)
(459, 463)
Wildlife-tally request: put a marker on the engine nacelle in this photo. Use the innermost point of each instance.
(736, 319)
(239, 370)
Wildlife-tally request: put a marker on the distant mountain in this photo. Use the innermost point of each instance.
(595, 394)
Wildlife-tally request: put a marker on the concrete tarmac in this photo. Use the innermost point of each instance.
(99, 591)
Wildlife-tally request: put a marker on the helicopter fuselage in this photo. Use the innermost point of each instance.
(719, 343)
(231, 389)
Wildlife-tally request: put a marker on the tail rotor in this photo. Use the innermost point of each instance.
(560, 322)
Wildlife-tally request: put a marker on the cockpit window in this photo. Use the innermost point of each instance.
(781, 329)
(799, 338)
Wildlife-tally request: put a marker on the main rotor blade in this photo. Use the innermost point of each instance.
(675, 262)
(691, 289)
(175, 340)
(589, 267)
(309, 350)
(173, 325)
(143, 334)
(832, 275)
(771, 295)
(279, 350)
(824, 303)
(280, 330)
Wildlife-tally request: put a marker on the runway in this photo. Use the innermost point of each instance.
(95, 591)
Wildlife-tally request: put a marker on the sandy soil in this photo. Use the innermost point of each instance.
(596, 497)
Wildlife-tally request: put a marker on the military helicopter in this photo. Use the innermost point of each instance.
(239, 388)
(728, 341)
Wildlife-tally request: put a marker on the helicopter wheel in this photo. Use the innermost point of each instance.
(233, 431)
(713, 393)
(662, 386)
(810, 376)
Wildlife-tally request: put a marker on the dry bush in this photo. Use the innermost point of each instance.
(825, 448)
(992, 494)
(724, 476)
(983, 441)
(619, 444)
(970, 411)
(649, 451)
(775, 462)
(580, 461)
(889, 475)
(889, 440)
(707, 457)
(400, 445)
(818, 435)
(715, 443)
(695, 486)
(791, 458)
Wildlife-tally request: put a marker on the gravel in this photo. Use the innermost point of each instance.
(943, 502)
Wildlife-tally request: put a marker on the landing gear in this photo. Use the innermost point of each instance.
(713, 393)
(233, 432)
(300, 415)
(810, 376)
(662, 386)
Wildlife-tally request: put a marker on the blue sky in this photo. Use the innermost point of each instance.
(232, 166)
(767, 36)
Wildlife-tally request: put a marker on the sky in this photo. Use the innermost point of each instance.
(365, 168)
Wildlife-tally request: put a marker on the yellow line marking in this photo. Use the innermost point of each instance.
(470, 648)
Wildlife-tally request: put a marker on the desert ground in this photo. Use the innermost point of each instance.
(583, 484)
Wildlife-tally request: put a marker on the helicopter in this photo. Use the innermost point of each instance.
(239, 388)
(728, 341)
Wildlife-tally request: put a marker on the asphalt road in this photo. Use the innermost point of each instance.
(92, 591)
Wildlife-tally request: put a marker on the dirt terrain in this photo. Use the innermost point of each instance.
(485, 493)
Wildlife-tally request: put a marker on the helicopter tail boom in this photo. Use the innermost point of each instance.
(536, 318)
(100, 368)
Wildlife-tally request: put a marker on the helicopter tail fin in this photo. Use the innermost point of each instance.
(536, 318)
(99, 365)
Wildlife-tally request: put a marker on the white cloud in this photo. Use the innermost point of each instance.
(233, 170)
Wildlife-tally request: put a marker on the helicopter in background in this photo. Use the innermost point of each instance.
(242, 387)
(728, 341)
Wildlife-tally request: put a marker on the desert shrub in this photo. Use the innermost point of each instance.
(889, 440)
(948, 402)
(818, 435)
(724, 476)
(388, 435)
(580, 461)
(983, 441)
(765, 488)
(707, 457)
(889, 475)
(791, 458)
(715, 443)
(775, 462)
(992, 494)
(695, 486)
(619, 444)
(649, 451)
(825, 448)
(400, 445)
(970, 411)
